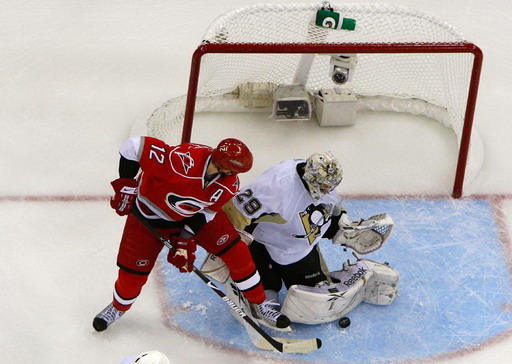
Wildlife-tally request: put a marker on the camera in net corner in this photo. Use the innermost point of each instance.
(342, 68)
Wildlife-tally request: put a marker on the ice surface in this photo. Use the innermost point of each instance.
(77, 75)
(452, 291)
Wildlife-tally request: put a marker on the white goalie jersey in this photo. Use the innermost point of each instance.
(289, 222)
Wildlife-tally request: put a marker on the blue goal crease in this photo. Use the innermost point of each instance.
(454, 283)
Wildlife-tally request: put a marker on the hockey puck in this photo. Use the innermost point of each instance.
(344, 322)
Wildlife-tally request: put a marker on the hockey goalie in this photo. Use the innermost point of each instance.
(282, 215)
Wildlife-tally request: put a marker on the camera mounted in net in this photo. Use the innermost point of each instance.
(342, 68)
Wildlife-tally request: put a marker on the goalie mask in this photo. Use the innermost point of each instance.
(322, 174)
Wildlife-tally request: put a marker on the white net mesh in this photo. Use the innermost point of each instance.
(289, 24)
(439, 81)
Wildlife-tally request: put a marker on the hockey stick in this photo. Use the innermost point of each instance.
(262, 340)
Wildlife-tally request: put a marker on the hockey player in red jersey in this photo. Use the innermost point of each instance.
(180, 191)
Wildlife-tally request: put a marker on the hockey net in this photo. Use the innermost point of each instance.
(407, 61)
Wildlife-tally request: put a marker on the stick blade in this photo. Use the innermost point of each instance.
(298, 346)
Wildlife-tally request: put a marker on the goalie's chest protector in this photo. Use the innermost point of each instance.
(173, 182)
(290, 222)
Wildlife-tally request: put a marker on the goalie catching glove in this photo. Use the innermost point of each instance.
(184, 256)
(125, 193)
(365, 235)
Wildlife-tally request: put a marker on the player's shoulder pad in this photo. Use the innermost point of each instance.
(279, 175)
(230, 183)
(152, 153)
(189, 159)
(148, 141)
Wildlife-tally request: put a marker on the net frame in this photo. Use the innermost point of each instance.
(216, 42)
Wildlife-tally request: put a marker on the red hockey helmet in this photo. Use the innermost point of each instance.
(233, 155)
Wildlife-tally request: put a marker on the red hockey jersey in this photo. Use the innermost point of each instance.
(172, 182)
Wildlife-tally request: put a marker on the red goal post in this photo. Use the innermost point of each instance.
(408, 61)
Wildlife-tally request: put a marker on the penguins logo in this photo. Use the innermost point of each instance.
(313, 218)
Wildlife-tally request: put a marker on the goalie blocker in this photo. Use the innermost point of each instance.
(363, 281)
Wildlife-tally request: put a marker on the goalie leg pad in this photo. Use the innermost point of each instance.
(325, 303)
(382, 287)
(245, 236)
(215, 268)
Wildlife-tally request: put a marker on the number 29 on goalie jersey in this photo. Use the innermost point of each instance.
(288, 221)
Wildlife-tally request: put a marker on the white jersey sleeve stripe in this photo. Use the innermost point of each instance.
(122, 300)
(249, 283)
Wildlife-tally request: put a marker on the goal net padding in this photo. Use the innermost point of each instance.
(407, 61)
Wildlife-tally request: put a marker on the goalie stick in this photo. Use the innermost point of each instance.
(258, 336)
(371, 223)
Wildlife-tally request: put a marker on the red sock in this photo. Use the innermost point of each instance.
(127, 288)
(243, 271)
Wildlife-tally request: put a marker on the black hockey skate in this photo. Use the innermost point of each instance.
(265, 314)
(105, 318)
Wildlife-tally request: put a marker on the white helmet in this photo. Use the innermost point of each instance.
(151, 357)
(322, 174)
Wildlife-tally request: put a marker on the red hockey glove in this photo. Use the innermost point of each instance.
(185, 254)
(125, 193)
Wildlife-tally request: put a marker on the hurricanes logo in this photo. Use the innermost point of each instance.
(142, 262)
(313, 218)
(186, 160)
(185, 205)
(223, 239)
